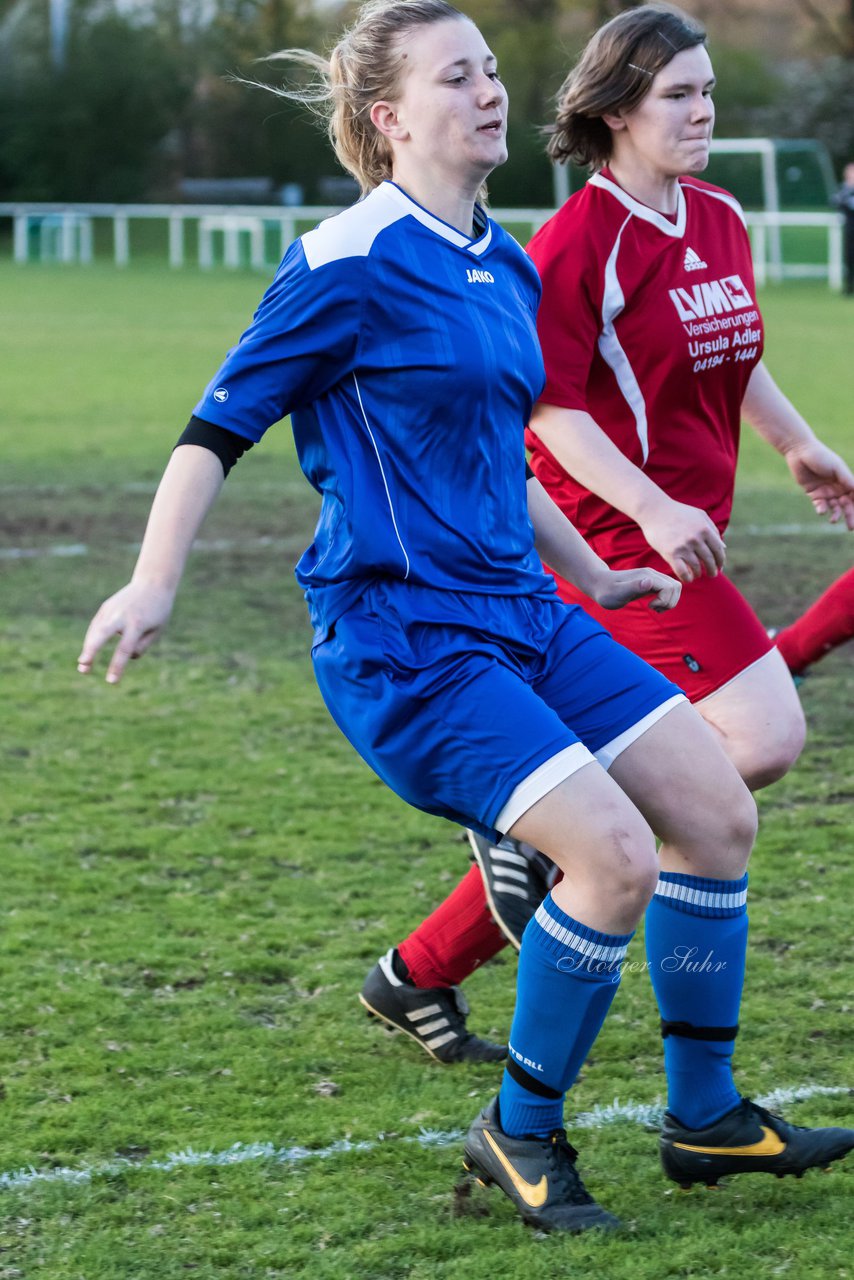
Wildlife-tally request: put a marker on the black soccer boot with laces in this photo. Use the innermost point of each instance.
(435, 1017)
(537, 1174)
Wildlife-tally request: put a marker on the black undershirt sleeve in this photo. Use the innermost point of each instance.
(227, 445)
(529, 475)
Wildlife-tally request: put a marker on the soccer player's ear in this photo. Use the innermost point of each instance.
(387, 121)
(615, 121)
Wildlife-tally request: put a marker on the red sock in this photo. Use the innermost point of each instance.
(826, 624)
(460, 935)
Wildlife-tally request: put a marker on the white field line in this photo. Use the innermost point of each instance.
(70, 549)
(820, 527)
(648, 1115)
(140, 486)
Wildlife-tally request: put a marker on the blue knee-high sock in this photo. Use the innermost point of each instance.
(696, 939)
(568, 976)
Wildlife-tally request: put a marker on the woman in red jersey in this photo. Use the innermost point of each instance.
(653, 342)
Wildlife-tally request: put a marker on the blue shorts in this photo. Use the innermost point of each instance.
(474, 707)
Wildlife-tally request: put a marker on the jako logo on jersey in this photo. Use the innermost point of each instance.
(479, 277)
(693, 261)
(711, 299)
(220, 395)
(691, 662)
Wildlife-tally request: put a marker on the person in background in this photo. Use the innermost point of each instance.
(844, 201)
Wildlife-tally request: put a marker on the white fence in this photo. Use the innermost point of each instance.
(64, 233)
(240, 236)
(769, 260)
(235, 235)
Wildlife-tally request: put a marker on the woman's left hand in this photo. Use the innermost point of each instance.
(826, 480)
(621, 586)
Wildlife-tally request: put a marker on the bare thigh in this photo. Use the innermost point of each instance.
(759, 720)
(680, 779)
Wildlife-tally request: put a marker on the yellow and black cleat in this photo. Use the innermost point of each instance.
(537, 1174)
(747, 1139)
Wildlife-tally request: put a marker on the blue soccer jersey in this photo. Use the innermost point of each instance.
(407, 355)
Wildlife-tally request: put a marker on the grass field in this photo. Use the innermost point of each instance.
(198, 872)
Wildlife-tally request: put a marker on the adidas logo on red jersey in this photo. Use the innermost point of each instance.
(693, 261)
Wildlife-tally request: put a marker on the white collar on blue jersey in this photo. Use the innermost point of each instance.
(660, 220)
(478, 245)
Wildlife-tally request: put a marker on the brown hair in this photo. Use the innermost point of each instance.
(364, 67)
(614, 73)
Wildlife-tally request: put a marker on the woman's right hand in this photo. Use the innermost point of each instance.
(139, 612)
(136, 614)
(686, 538)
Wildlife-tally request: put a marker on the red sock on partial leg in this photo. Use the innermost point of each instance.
(451, 943)
(827, 623)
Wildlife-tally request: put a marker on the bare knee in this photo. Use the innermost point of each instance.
(740, 825)
(718, 840)
(618, 880)
(602, 844)
(766, 761)
(759, 721)
(632, 889)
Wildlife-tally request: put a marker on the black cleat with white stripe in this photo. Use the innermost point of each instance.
(516, 878)
(435, 1017)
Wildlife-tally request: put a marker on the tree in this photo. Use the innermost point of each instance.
(835, 32)
(815, 101)
(233, 129)
(142, 100)
(89, 131)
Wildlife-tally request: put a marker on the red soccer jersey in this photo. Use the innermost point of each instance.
(650, 324)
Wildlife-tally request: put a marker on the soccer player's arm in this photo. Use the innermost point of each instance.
(562, 547)
(301, 336)
(568, 327)
(821, 473)
(139, 611)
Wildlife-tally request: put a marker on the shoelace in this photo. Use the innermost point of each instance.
(567, 1179)
(771, 1118)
